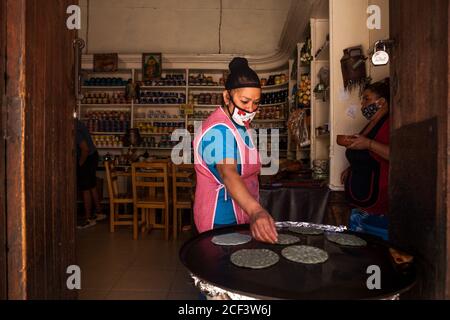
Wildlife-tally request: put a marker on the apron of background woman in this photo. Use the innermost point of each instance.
(366, 186)
(209, 186)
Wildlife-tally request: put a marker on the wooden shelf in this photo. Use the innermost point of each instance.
(103, 87)
(273, 104)
(98, 105)
(152, 148)
(323, 135)
(269, 120)
(137, 148)
(207, 105)
(206, 88)
(108, 133)
(111, 148)
(276, 86)
(197, 119)
(139, 105)
(159, 120)
(157, 133)
(179, 88)
(119, 71)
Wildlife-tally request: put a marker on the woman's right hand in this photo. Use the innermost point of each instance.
(263, 227)
(344, 175)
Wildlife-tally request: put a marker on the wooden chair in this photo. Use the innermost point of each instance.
(116, 199)
(182, 194)
(150, 191)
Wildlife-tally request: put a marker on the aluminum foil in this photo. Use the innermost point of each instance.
(323, 227)
(215, 293)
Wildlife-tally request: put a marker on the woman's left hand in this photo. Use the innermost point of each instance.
(359, 143)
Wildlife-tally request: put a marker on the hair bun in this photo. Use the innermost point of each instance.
(238, 64)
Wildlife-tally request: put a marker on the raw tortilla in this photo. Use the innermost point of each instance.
(305, 254)
(287, 239)
(254, 258)
(231, 239)
(346, 240)
(306, 230)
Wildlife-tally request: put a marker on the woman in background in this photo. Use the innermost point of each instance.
(366, 180)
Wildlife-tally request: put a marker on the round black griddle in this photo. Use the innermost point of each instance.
(343, 276)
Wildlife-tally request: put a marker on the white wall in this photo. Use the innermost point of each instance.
(252, 27)
(348, 28)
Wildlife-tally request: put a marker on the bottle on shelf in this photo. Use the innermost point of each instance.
(152, 97)
(104, 82)
(169, 80)
(107, 121)
(116, 97)
(274, 97)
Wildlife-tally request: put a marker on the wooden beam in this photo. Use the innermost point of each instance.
(419, 218)
(15, 145)
(3, 260)
(447, 291)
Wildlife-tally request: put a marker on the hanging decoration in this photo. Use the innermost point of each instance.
(298, 126)
(305, 54)
(353, 65)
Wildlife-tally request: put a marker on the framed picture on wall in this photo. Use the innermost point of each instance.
(106, 62)
(151, 66)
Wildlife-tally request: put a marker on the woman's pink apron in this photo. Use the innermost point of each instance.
(208, 187)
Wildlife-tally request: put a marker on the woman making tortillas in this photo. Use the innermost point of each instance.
(227, 161)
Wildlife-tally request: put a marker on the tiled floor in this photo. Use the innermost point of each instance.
(115, 267)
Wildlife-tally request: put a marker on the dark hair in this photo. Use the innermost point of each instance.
(241, 75)
(381, 89)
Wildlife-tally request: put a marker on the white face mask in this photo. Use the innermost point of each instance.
(242, 117)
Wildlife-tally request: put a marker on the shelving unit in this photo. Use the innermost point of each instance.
(302, 69)
(320, 109)
(141, 114)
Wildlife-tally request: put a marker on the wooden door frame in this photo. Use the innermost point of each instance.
(447, 227)
(15, 146)
(39, 151)
(3, 256)
(419, 221)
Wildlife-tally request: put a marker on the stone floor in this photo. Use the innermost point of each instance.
(116, 267)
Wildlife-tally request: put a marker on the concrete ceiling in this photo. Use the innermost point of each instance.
(252, 27)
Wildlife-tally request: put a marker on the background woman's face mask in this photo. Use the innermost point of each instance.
(370, 110)
(240, 116)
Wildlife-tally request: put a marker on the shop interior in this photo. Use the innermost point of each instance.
(143, 75)
(296, 48)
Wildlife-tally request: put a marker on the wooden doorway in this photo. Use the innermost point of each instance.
(3, 261)
(419, 182)
(40, 151)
